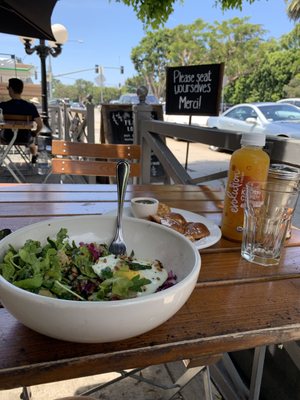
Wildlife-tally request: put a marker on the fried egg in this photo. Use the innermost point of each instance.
(156, 274)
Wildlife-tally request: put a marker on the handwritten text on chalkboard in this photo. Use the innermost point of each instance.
(194, 89)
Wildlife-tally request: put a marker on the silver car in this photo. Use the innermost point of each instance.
(134, 99)
(274, 119)
(293, 100)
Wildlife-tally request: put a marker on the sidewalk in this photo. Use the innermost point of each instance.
(126, 389)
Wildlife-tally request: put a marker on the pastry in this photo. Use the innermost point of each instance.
(195, 231)
(192, 230)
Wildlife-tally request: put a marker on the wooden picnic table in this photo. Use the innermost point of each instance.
(236, 305)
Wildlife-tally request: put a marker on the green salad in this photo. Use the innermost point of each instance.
(87, 271)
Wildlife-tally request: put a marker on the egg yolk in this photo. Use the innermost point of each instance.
(126, 274)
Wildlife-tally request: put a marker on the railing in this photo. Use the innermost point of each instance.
(153, 133)
(79, 125)
(72, 124)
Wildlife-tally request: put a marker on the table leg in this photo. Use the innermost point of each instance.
(257, 371)
(26, 393)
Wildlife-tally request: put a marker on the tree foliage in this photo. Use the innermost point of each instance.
(256, 69)
(292, 89)
(235, 42)
(267, 81)
(81, 88)
(155, 13)
(293, 9)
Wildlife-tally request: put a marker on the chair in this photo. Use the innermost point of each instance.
(85, 159)
(15, 122)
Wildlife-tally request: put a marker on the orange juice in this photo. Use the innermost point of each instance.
(250, 163)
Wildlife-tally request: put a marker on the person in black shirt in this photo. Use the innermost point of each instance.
(21, 107)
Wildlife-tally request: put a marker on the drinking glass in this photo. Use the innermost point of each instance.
(269, 208)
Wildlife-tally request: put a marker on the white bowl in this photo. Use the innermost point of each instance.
(142, 207)
(96, 322)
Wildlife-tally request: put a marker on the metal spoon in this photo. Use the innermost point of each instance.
(118, 246)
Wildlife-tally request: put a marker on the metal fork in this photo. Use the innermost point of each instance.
(117, 245)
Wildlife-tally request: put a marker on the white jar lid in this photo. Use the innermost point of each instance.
(253, 139)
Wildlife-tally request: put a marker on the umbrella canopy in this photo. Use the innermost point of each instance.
(29, 18)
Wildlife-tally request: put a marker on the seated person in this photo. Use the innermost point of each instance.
(21, 107)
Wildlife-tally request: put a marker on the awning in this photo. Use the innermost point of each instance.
(28, 18)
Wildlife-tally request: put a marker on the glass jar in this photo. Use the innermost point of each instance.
(286, 177)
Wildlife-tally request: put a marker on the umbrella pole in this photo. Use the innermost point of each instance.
(43, 52)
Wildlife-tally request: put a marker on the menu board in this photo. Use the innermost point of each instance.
(194, 89)
(121, 123)
(117, 128)
(117, 122)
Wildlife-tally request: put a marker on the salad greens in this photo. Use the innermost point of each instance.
(64, 270)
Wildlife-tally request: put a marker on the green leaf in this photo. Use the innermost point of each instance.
(64, 291)
(134, 266)
(138, 283)
(30, 283)
(83, 262)
(121, 287)
(7, 270)
(106, 273)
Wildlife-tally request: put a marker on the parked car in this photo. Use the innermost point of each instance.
(131, 98)
(225, 106)
(275, 119)
(55, 102)
(76, 104)
(295, 101)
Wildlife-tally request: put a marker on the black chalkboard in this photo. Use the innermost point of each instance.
(122, 127)
(117, 128)
(194, 89)
(117, 122)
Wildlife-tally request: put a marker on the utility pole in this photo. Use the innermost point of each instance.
(100, 79)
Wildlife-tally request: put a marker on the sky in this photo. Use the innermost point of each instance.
(104, 32)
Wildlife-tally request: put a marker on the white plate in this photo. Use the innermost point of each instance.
(215, 231)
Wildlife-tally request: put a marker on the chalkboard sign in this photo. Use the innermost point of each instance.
(117, 128)
(122, 126)
(117, 122)
(194, 89)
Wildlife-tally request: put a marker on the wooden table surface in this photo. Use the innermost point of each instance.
(236, 305)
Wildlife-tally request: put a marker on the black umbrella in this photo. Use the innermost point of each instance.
(29, 18)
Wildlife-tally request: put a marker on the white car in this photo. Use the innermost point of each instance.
(295, 101)
(131, 98)
(273, 119)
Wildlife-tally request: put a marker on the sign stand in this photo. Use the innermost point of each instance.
(187, 146)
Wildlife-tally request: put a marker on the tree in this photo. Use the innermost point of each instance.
(293, 87)
(235, 42)
(154, 13)
(293, 9)
(268, 81)
(150, 58)
(292, 39)
(131, 84)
